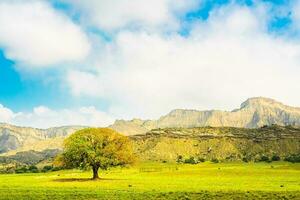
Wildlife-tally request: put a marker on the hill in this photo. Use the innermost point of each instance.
(253, 113)
(222, 143)
(236, 134)
(200, 143)
(26, 138)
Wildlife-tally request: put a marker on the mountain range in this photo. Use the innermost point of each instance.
(253, 113)
(26, 138)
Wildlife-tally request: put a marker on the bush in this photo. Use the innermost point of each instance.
(33, 169)
(275, 158)
(21, 170)
(201, 159)
(179, 159)
(245, 159)
(264, 159)
(215, 160)
(47, 168)
(54, 169)
(293, 158)
(190, 160)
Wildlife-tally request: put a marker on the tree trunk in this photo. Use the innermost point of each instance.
(95, 172)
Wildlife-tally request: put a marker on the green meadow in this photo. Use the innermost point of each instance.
(277, 180)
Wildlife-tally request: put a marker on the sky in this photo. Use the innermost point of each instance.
(90, 62)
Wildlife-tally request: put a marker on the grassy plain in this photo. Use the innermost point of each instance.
(277, 180)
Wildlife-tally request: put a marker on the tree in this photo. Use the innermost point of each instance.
(264, 158)
(97, 148)
(33, 169)
(275, 158)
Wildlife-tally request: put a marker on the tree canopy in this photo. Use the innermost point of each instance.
(97, 148)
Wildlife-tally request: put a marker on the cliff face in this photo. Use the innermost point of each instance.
(253, 113)
(168, 144)
(14, 137)
(223, 143)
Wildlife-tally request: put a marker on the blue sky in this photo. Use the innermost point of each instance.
(90, 62)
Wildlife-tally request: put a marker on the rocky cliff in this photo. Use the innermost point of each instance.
(222, 143)
(15, 137)
(253, 113)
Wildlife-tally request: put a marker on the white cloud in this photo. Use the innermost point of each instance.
(84, 83)
(43, 117)
(116, 14)
(36, 35)
(143, 73)
(224, 60)
(5, 114)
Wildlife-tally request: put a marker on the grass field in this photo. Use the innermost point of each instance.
(277, 180)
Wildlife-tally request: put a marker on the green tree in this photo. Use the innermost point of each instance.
(275, 158)
(97, 148)
(33, 169)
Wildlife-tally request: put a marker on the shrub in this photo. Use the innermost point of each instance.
(33, 169)
(54, 169)
(275, 158)
(215, 160)
(47, 168)
(179, 159)
(190, 160)
(21, 170)
(293, 158)
(264, 159)
(245, 159)
(201, 159)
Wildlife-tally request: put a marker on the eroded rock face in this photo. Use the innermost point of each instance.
(8, 141)
(253, 113)
(15, 137)
(223, 143)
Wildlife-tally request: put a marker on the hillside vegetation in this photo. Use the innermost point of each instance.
(192, 145)
(253, 113)
(222, 143)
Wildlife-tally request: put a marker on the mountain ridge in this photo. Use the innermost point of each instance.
(253, 113)
(13, 137)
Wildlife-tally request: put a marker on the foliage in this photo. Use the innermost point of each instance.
(54, 169)
(223, 143)
(47, 168)
(22, 169)
(26, 169)
(97, 148)
(190, 160)
(294, 158)
(214, 160)
(33, 169)
(275, 158)
(179, 159)
(264, 158)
